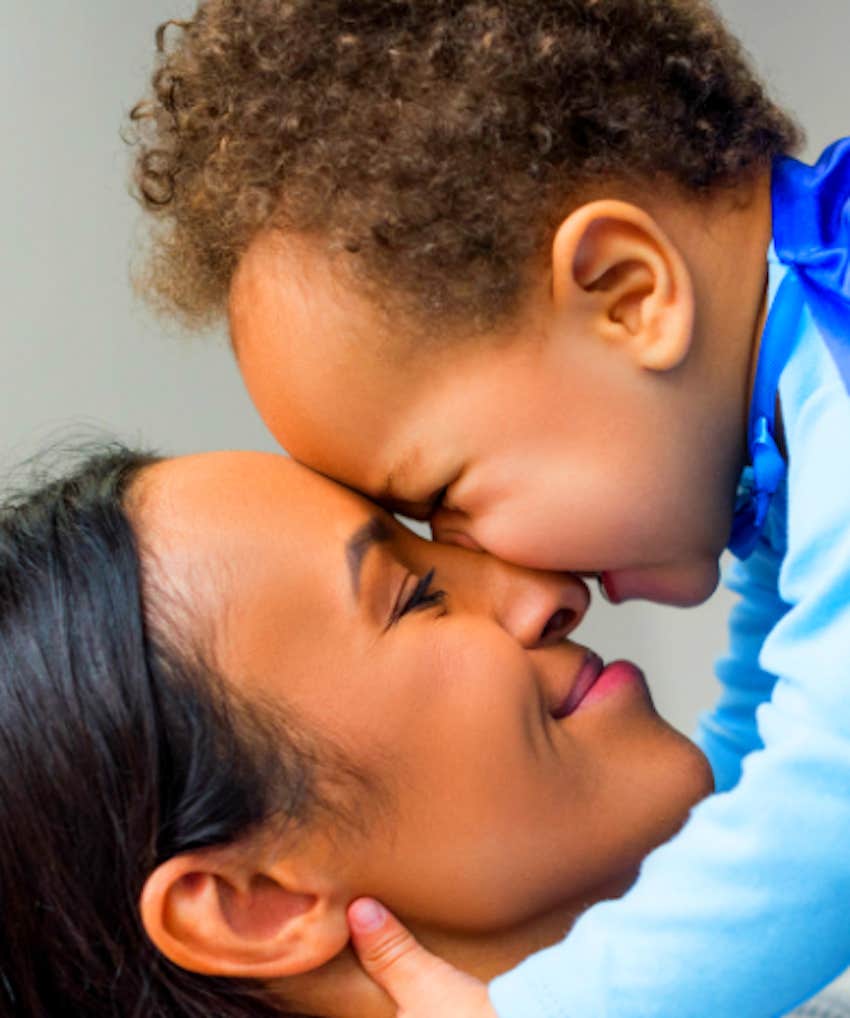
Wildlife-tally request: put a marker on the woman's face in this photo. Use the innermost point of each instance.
(498, 804)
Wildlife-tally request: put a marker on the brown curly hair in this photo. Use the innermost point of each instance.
(437, 143)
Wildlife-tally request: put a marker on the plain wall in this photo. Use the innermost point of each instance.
(79, 349)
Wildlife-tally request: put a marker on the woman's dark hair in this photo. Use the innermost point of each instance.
(119, 748)
(438, 143)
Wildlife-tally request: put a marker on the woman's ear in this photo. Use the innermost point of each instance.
(225, 911)
(613, 263)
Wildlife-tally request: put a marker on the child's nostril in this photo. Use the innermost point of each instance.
(558, 623)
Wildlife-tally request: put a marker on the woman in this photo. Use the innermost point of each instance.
(235, 696)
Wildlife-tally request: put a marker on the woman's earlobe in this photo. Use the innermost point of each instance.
(612, 263)
(214, 913)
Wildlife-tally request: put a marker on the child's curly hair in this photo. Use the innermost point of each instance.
(439, 142)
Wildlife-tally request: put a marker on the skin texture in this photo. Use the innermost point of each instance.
(602, 432)
(492, 822)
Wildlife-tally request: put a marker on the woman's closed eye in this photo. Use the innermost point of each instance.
(422, 596)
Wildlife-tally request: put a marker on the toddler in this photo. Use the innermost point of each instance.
(545, 273)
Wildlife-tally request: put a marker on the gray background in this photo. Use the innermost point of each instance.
(79, 349)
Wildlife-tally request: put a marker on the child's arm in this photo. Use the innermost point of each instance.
(729, 731)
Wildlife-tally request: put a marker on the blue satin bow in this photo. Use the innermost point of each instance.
(811, 234)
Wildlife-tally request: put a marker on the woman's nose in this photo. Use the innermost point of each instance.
(545, 610)
(536, 608)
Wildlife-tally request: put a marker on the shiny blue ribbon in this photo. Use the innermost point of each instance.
(811, 235)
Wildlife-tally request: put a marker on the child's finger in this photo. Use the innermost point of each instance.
(422, 985)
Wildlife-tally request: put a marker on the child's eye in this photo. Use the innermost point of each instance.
(422, 596)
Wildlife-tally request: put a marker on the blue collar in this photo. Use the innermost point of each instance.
(811, 235)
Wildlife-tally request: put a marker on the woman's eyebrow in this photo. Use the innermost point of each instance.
(374, 531)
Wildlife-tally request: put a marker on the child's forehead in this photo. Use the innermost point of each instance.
(298, 290)
(300, 321)
(293, 277)
(312, 354)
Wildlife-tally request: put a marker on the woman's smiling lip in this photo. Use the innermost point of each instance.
(589, 672)
(595, 681)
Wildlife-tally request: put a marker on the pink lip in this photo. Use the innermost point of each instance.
(617, 675)
(683, 584)
(588, 674)
(596, 681)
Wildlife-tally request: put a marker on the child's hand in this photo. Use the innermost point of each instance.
(422, 985)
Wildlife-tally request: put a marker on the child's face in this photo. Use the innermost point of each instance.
(545, 446)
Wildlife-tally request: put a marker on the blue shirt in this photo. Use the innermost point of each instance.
(746, 912)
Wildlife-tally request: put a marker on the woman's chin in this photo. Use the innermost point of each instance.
(691, 781)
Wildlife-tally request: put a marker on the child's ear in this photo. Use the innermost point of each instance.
(612, 261)
(228, 912)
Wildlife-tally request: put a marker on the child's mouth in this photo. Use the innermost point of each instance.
(607, 587)
(682, 584)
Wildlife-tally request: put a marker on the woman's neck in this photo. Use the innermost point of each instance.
(341, 989)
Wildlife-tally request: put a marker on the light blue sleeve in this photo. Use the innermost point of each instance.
(746, 912)
(729, 731)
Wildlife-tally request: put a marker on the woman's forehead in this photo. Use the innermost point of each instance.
(206, 483)
(250, 540)
(221, 506)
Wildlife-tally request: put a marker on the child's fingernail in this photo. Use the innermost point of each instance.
(367, 915)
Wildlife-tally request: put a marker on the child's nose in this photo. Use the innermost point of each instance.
(536, 608)
(449, 526)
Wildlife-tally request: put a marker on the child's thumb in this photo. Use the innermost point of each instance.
(422, 985)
